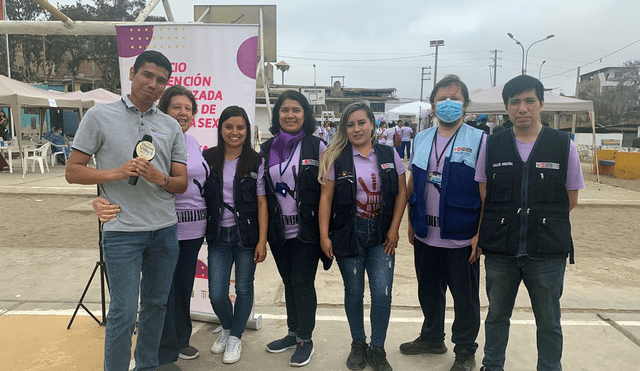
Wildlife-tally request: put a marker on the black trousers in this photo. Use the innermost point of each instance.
(177, 321)
(297, 264)
(438, 268)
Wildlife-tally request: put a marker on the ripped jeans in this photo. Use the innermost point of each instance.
(379, 269)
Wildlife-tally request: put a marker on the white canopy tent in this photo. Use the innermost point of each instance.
(17, 95)
(490, 102)
(417, 109)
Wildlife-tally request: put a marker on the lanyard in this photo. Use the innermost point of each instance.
(288, 161)
(435, 146)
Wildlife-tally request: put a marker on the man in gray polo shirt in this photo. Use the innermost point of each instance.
(143, 238)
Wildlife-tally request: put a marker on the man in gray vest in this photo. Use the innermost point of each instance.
(142, 241)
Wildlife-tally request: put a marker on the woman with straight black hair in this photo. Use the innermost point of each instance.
(293, 194)
(236, 228)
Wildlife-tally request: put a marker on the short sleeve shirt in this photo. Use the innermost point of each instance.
(283, 172)
(432, 196)
(228, 177)
(575, 180)
(110, 132)
(368, 183)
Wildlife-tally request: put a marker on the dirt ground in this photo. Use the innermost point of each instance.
(605, 237)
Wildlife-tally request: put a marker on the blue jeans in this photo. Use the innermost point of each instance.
(379, 269)
(127, 255)
(176, 333)
(222, 254)
(404, 147)
(544, 279)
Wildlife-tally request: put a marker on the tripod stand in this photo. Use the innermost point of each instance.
(103, 279)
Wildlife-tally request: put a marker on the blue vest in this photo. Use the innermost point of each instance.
(459, 194)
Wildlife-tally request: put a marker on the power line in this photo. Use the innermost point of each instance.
(595, 60)
(357, 60)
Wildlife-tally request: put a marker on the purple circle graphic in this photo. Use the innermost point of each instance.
(248, 57)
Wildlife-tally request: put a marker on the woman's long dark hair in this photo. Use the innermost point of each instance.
(248, 156)
(309, 124)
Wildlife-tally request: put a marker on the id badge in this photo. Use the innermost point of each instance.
(434, 177)
(282, 189)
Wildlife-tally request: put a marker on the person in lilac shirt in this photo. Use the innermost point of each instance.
(405, 134)
(179, 103)
(293, 195)
(444, 212)
(237, 226)
(362, 200)
(529, 180)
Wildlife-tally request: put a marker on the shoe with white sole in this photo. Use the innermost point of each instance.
(221, 343)
(233, 350)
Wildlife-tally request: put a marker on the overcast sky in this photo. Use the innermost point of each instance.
(342, 37)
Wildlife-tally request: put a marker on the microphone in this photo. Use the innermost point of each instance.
(143, 149)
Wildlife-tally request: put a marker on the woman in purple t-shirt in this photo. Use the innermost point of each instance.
(237, 226)
(359, 222)
(179, 103)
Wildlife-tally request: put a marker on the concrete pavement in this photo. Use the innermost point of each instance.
(601, 328)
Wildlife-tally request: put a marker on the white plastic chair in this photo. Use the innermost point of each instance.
(57, 150)
(40, 155)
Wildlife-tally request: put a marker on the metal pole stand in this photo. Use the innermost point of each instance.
(100, 264)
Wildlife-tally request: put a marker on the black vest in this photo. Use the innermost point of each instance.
(343, 209)
(245, 210)
(307, 192)
(526, 209)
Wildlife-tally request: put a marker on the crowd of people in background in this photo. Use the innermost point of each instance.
(323, 192)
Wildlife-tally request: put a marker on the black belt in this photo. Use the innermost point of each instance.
(191, 215)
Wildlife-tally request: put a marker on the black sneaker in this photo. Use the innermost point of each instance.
(356, 359)
(420, 346)
(377, 359)
(168, 367)
(302, 355)
(464, 362)
(280, 345)
(189, 353)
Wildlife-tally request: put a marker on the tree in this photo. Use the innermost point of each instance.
(68, 51)
(616, 104)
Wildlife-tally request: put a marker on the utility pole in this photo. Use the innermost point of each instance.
(422, 78)
(436, 43)
(495, 64)
(577, 83)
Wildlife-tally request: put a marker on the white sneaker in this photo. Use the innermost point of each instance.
(233, 351)
(221, 343)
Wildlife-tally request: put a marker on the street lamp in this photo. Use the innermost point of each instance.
(525, 57)
(314, 75)
(282, 66)
(540, 72)
(518, 42)
(436, 44)
(526, 62)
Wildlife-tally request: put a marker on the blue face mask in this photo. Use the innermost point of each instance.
(59, 131)
(449, 110)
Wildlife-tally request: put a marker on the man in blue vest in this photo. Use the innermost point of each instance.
(444, 211)
(529, 180)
